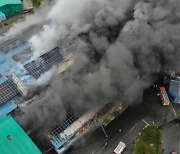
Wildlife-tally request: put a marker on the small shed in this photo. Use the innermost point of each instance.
(13, 139)
(9, 7)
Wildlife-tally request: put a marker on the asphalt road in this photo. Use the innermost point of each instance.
(131, 123)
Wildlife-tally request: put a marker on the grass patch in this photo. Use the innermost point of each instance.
(148, 142)
(10, 22)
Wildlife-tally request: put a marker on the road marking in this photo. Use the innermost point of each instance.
(104, 131)
(102, 147)
(145, 122)
(113, 140)
(129, 131)
(104, 143)
(94, 151)
(174, 111)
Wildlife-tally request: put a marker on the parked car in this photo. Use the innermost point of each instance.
(28, 10)
(164, 96)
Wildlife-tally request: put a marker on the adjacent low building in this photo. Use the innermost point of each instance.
(13, 139)
(174, 90)
(9, 7)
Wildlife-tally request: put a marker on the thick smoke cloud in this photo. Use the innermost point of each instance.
(131, 42)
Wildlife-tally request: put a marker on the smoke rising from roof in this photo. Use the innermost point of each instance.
(128, 38)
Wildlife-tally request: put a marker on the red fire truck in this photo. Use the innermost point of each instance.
(164, 96)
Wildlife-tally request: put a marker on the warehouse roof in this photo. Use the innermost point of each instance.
(5, 2)
(174, 88)
(13, 139)
(61, 137)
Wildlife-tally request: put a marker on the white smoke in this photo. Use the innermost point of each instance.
(45, 40)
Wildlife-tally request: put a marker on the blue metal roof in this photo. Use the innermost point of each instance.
(9, 66)
(57, 141)
(9, 106)
(174, 88)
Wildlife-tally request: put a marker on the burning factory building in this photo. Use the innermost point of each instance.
(94, 60)
(15, 89)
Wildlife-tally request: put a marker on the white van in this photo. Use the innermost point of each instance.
(120, 148)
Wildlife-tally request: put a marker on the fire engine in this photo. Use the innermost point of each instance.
(164, 96)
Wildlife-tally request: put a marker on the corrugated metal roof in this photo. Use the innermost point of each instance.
(8, 106)
(61, 137)
(174, 88)
(177, 100)
(13, 140)
(5, 2)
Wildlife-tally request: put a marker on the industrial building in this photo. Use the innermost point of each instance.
(9, 7)
(14, 52)
(174, 90)
(14, 81)
(64, 135)
(13, 139)
(12, 87)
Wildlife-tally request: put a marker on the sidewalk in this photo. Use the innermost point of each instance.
(170, 138)
(170, 135)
